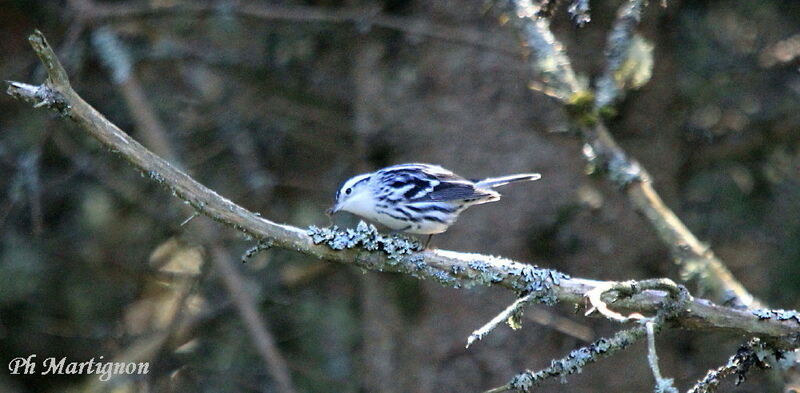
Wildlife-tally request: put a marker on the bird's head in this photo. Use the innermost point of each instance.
(353, 196)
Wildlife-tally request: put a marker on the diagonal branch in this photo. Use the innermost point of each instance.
(574, 362)
(505, 315)
(365, 248)
(750, 354)
(604, 154)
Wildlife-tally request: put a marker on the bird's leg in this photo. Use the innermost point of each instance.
(428, 242)
(400, 233)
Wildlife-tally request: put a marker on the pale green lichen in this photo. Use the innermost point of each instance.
(781, 315)
(665, 385)
(754, 353)
(579, 11)
(576, 360)
(262, 245)
(538, 280)
(364, 236)
(620, 170)
(403, 256)
(402, 253)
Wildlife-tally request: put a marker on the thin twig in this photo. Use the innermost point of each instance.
(511, 310)
(663, 385)
(574, 362)
(748, 355)
(679, 299)
(368, 249)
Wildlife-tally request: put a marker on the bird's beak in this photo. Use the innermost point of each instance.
(330, 212)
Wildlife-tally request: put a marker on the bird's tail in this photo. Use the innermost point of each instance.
(493, 182)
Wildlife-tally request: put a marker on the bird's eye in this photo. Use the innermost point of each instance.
(348, 191)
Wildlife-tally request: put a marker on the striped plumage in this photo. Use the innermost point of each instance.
(417, 198)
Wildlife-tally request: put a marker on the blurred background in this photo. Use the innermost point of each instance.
(273, 104)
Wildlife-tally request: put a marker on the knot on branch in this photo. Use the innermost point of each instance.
(40, 96)
(678, 294)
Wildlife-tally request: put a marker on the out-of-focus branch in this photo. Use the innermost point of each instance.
(553, 67)
(252, 319)
(120, 64)
(566, 326)
(366, 248)
(550, 65)
(361, 18)
(118, 60)
(619, 43)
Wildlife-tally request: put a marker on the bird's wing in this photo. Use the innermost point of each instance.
(432, 183)
(452, 191)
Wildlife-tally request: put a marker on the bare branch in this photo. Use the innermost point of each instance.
(366, 248)
(514, 309)
(56, 74)
(663, 385)
(117, 59)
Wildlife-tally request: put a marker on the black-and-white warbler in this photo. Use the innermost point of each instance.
(417, 198)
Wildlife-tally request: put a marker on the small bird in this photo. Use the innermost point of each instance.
(420, 199)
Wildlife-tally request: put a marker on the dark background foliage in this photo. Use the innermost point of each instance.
(274, 114)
